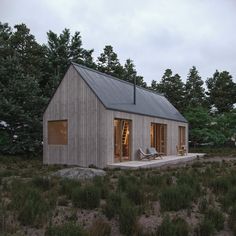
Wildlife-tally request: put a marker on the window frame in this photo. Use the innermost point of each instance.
(59, 138)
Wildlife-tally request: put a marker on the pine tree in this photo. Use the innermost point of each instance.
(221, 91)
(108, 62)
(20, 93)
(172, 88)
(194, 91)
(130, 73)
(61, 50)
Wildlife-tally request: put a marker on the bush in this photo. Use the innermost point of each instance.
(160, 181)
(100, 228)
(177, 227)
(232, 219)
(203, 204)
(191, 180)
(69, 229)
(220, 185)
(205, 228)
(216, 218)
(124, 182)
(177, 197)
(112, 205)
(136, 194)
(87, 197)
(34, 209)
(67, 186)
(41, 182)
(127, 217)
(102, 184)
(229, 198)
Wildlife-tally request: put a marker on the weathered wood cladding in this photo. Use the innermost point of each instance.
(140, 134)
(74, 101)
(90, 126)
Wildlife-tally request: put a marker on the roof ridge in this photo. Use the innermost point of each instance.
(115, 78)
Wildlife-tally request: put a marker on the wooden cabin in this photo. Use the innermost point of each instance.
(96, 119)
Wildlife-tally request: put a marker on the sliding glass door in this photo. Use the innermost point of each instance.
(158, 137)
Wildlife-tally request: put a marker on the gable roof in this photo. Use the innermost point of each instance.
(116, 94)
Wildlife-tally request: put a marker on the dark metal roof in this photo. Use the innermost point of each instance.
(118, 95)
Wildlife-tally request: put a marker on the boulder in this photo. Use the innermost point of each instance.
(79, 173)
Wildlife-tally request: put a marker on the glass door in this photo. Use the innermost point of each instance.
(122, 140)
(158, 137)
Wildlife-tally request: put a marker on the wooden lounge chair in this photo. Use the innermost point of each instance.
(181, 150)
(153, 151)
(151, 155)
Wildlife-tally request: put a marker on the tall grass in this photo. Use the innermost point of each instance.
(68, 229)
(87, 197)
(175, 227)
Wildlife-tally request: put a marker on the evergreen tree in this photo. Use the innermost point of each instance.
(108, 62)
(20, 93)
(130, 73)
(194, 91)
(61, 50)
(202, 127)
(172, 88)
(154, 85)
(221, 91)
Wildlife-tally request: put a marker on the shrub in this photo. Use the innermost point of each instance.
(220, 185)
(205, 228)
(100, 228)
(203, 205)
(34, 209)
(41, 182)
(68, 229)
(127, 217)
(67, 186)
(159, 181)
(102, 184)
(175, 198)
(112, 205)
(216, 218)
(232, 219)
(136, 194)
(191, 180)
(177, 227)
(87, 197)
(229, 198)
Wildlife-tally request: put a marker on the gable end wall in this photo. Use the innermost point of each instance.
(87, 119)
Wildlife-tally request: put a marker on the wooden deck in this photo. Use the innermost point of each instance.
(166, 161)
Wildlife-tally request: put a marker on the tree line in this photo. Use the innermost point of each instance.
(30, 72)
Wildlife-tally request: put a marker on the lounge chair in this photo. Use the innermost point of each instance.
(151, 155)
(153, 151)
(181, 150)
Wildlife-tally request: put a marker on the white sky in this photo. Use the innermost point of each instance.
(156, 35)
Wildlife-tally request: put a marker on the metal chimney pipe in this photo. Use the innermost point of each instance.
(134, 90)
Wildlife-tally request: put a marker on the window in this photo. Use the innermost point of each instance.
(58, 132)
(159, 137)
(182, 136)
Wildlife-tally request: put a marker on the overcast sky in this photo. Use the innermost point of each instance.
(156, 35)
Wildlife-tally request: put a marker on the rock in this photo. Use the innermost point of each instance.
(79, 173)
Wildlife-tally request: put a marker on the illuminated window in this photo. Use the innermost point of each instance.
(57, 132)
(182, 136)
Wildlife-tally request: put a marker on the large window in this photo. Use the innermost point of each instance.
(158, 137)
(58, 132)
(122, 140)
(182, 136)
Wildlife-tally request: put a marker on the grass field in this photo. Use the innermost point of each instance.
(198, 199)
